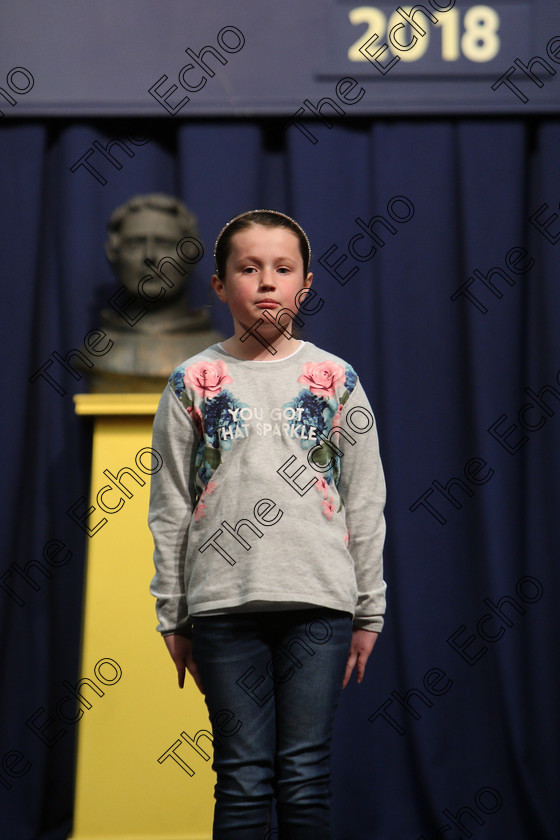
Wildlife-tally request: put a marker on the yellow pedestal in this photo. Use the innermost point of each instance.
(133, 712)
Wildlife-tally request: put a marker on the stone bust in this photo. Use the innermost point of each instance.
(152, 244)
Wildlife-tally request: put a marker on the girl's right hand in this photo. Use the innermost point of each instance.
(180, 649)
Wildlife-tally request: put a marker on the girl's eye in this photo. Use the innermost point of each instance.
(250, 269)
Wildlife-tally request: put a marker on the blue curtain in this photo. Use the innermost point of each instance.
(450, 318)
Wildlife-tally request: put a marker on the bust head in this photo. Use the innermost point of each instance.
(148, 227)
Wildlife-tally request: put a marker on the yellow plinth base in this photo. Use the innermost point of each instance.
(133, 712)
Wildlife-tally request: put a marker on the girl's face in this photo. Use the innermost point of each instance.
(264, 271)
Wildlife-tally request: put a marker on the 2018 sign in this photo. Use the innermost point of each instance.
(444, 57)
(408, 35)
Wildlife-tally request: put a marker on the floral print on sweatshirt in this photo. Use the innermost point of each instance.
(217, 407)
(328, 386)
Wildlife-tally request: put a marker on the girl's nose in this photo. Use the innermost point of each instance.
(267, 278)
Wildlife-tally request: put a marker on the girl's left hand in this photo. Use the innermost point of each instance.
(360, 649)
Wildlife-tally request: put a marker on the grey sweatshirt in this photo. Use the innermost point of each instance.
(271, 491)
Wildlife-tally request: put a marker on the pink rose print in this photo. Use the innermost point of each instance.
(196, 416)
(346, 539)
(200, 510)
(322, 487)
(328, 508)
(208, 490)
(321, 378)
(336, 418)
(207, 378)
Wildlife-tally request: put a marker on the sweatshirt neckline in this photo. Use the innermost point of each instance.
(260, 362)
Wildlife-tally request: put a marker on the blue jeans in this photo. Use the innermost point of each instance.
(272, 683)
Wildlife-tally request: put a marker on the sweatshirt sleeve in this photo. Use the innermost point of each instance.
(362, 490)
(172, 498)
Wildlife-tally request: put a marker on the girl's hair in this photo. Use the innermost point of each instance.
(269, 218)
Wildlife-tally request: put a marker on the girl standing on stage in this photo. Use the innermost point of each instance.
(267, 518)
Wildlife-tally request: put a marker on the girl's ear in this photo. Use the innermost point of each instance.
(219, 287)
(308, 280)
